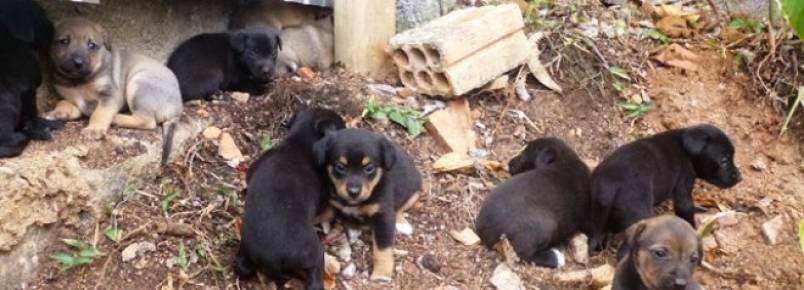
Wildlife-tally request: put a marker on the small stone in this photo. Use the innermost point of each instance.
(212, 133)
(759, 165)
(131, 252)
(430, 262)
(240, 97)
(228, 149)
(6, 171)
(349, 271)
(331, 264)
(505, 279)
(305, 73)
(580, 249)
(343, 250)
(771, 229)
(467, 236)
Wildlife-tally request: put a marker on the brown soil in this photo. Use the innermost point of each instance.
(209, 198)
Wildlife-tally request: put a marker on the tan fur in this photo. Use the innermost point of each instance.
(277, 14)
(365, 192)
(383, 263)
(361, 211)
(326, 216)
(365, 161)
(678, 237)
(117, 81)
(408, 204)
(310, 45)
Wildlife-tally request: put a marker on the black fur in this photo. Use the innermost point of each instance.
(636, 177)
(24, 27)
(240, 60)
(539, 207)
(285, 187)
(398, 181)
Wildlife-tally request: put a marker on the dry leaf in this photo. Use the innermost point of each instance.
(677, 56)
(331, 267)
(537, 68)
(600, 276)
(492, 165)
(212, 133)
(453, 161)
(228, 149)
(467, 237)
(674, 26)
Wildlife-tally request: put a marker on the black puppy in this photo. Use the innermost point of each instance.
(24, 26)
(374, 181)
(242, 60)
(629, 183)
(541, 207)
(661, 254)
(285, 189)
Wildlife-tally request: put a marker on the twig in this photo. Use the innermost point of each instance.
(591, 44)
(715, 10)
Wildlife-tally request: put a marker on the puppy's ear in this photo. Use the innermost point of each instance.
(321, 148)
(545, 157)
(632, 236)
(287, 123)
(105, 38)
(515, 166)
(238, 41)
(325, 127)
(694, 140)
(278, 42)
(388, 153)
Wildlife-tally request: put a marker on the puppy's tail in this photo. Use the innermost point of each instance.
(168, 129)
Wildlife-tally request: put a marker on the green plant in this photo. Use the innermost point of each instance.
(634, 109)
(743, 22)
(793, 108)
(113, 234)
(801, 234)
(655, 34)
(619, 72)
(265, 143)
(84, 254)
(181, 258)
(167, 200)
(794, 10)
(404, 117)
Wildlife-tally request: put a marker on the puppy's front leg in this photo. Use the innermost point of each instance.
(383, 245)
(64, 111)
(102, 117)
(683, 204)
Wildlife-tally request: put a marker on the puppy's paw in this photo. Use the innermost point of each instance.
(93, 133)
(56, 115)
(404, 227)
(381, 277)
(560, 259)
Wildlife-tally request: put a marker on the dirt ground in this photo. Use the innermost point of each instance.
(205, 214)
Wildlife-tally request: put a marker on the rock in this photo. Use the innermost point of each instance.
(429, 262)
(592, 163)
(305, 73)
(452, 128)
(349, 271)
(212, 133)
(580, 249)
(505, 279)
(240, 97)
(177, 229)
(228, 149)
(403, 227)
(136, 249)
(771, 229)
(678, 56)
(467, 237)
(759, 165)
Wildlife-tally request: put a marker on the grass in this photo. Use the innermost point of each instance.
(793, 109)
(634, 109)
(167, 200)
(83, 254)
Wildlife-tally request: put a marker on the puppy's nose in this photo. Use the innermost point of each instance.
(737, 176)
(78, 62)
(353, 191)
(680, 283)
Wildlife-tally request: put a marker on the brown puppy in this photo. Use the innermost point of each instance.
(661, 253)
(276, 14)
(97, 81)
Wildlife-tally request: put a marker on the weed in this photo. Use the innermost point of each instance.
(113, 234)
(619, 72)
(266, 143)
(404, 117)
(167, 200)
(793, 108)
(743, 23)
(84, 254)
(181, 258)
(636, 110)
(655, 34)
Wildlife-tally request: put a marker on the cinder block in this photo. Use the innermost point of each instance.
(461, 51)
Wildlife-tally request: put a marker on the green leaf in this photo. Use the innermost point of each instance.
(793, 108)
(618, 85)
(90, 253)
(265, 143)
(801, 234)
(709, 224)
(378, 115)
(181, 258)
(655, 34)
(64, 258)
(794, 10)
(113, 234)
(744, 23)
(397, 117)
(634, 110)
(619, 72)
(78, 244)
(167, 200)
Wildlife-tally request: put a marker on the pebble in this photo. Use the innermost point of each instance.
(430, 262)
(212, 133)
(240, 97)
(505, 279)
(771, 229)
(131, 252)
(228, 149)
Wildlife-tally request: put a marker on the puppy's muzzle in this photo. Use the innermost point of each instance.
(680, 283)
(353, 190)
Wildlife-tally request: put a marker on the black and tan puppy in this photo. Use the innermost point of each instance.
(285, 190)
(240, 60)
(636, 177)
(24, 28)
(374, 182)
(661, 253)
(539, 208)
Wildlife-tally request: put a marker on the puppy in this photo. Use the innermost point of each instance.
(661, 254)
(639, 175)
(539, 208)
(284, 191)
(308, 45)
(98, 81)
(24, 26)
(241, 60)
(374, 182)
(276, 14)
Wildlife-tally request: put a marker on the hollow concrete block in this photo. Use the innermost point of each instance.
(462, 50)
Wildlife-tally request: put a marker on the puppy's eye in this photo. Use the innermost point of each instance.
(64, 41)
(660, 253)
(695, 258)
(369, 169)
(92, 45)
(724, 160)
(340, 168)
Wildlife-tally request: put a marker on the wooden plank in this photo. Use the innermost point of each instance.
(362, 31)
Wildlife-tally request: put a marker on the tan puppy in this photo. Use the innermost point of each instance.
(661, 253)
(97, 81)
(276, 14)
(309, 45)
